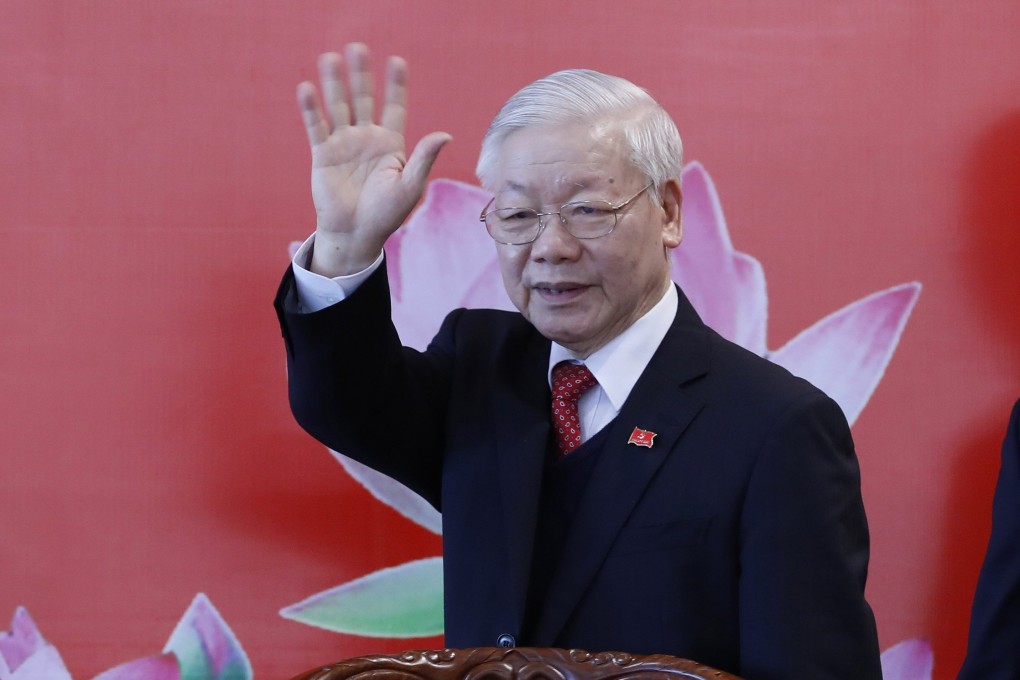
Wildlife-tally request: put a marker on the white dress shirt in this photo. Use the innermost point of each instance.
(618, 364)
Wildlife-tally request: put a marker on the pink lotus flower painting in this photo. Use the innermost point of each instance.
(442, 259)
(24, 654)
(201, 647)
(908, 660)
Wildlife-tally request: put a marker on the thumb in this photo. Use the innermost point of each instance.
(419, 164)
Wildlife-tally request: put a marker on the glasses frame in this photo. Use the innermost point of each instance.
(615, 209)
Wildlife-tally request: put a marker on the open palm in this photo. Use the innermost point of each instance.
(363, 184)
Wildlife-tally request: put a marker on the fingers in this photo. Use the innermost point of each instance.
(333, 89)
(394, 113)
(419, 164)
(336, 109)
(359, 74)
(315, 121)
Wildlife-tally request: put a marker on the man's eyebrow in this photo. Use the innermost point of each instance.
(583, 183)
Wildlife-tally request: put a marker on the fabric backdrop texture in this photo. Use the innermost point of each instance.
(853, 168)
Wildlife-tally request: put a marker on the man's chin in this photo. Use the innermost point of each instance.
(569, 336)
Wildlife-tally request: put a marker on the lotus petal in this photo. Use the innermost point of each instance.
(162, 667)
(908, 660)
(394, 494)
(397, 602)
(487, 291)
(437, 260)
(846, 353)
(726, 287)
(25, 655)
(45, 663)
(205, 646)
(22, 641)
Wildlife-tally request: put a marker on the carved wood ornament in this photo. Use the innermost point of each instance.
(525, 663)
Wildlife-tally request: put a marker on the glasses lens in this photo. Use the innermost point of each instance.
(512, 225)
(589, 219)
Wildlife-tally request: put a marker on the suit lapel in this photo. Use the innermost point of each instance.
(657, 403)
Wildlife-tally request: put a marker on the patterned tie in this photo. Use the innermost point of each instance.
(569, 382)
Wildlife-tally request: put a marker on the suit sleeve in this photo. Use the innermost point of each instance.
(804, 553)
(995, 615)
(356, 389)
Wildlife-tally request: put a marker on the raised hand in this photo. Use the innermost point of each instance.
(363, 183)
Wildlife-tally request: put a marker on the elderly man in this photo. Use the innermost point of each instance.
(612, 474)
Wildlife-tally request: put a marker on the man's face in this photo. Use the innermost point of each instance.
(583, 293)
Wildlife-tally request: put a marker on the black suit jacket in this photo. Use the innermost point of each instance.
(995, 617)
(738, 539)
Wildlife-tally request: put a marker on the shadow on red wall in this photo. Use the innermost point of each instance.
(990, 225)
(992, 220)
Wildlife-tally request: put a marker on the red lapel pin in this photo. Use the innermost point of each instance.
(641, 437)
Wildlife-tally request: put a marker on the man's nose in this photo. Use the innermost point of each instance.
(554, 242)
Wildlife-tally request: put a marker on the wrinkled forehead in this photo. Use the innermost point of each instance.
(564, 157)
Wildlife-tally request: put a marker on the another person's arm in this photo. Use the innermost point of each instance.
(995, 616)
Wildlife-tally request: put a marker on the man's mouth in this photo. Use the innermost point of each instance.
(558, 291)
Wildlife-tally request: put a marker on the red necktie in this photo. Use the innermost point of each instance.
(569, 382)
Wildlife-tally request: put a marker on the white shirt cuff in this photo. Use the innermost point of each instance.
(316, 292)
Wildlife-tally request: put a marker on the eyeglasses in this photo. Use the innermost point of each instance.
(581, 219)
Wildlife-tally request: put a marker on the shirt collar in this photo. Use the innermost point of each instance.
(621, 361)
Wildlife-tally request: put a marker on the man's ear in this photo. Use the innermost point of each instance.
(671, 198)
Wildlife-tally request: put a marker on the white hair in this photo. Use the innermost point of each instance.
(585, 96)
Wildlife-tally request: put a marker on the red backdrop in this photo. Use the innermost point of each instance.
(154, 169)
